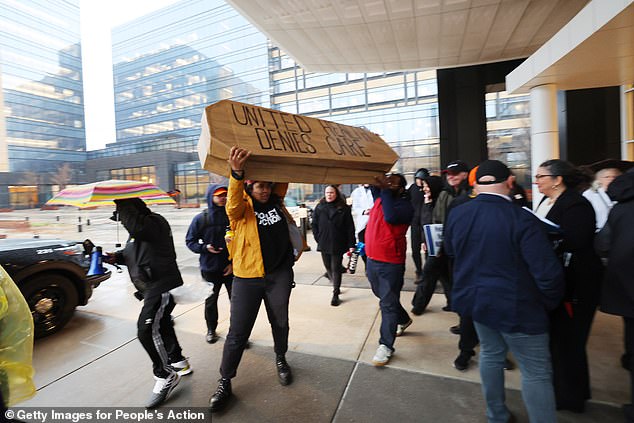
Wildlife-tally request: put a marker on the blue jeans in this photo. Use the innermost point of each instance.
(533, 357)
(386, 280)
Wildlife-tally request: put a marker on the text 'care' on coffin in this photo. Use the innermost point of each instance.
(290, 148)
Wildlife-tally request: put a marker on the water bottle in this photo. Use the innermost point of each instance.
(354, 257)
(229, 235)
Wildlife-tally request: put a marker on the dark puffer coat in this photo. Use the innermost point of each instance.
(618, 286)
(333, 228)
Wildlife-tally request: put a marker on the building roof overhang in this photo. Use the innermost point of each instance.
(595, 49)
(388, 35)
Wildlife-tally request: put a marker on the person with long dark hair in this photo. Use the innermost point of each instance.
(418, 199)
(333, 229)
(570, 322)
(432, 186)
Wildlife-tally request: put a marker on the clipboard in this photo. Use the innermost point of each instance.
(433, 238)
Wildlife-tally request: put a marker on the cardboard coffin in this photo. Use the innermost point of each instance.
(290, 148)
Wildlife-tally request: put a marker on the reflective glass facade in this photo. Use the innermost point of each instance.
(170, 64)
(402, 107)
(509, 133)
(42, 88)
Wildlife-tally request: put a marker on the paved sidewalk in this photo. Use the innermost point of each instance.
(97, 361)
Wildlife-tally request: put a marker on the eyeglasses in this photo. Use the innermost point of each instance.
(538, 176)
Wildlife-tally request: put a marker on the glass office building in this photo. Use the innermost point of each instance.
(170, 64)
(42, 111)
(402, 107)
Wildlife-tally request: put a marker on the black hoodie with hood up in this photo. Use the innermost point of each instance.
(209, 227)
(618, 287)
(149, 253)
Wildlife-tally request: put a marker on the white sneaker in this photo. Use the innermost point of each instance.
(162, 388)
(182, 367)
(382, 356)
(401, 328)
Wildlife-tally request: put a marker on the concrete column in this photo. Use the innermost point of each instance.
(544, 129)
(627, 122)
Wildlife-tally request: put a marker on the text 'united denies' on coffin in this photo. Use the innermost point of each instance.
(290, 148)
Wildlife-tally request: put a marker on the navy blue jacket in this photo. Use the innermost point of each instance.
(209, 227)
(506, 274)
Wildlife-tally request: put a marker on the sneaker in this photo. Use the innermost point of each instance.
(401, 328)
(508, 364)
(211, 337)
(182, 367)
(382, 356)
(284, 373)
(162, 389)
(463, 360)
(335, 300)
(220, 398)
(455, 330)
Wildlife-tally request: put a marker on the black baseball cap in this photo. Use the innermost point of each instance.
(492, 168)
(456, 166)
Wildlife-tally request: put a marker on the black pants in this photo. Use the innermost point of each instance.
(435, 269)
(211, 303)
(332, 263)
(246, 297)
(629, 351)
(468, 335)
(155, 330)
(568, 339)
(416, 239)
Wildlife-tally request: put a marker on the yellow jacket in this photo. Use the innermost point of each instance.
(16, 343)
(244, 249)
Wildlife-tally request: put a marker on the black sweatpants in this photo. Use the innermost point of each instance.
(416, 238)
(332, 263)
(435, 269)
(246, 297)
(629, 351)
(468, 335)
(211, 303)
(155, 330)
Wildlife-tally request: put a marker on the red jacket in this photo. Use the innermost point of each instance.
(385, 242)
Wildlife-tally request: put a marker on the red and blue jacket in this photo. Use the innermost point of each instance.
(385, 234)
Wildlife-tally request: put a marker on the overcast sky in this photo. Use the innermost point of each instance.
(97, 20)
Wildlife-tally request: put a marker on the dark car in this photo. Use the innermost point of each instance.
(52, 275)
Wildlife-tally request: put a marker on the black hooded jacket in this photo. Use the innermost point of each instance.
(149, 253)
(618, 286)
